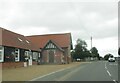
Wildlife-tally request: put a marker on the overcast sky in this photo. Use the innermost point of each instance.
(96, 18)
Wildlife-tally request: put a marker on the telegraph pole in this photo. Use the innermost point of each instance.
(91, 48)
(91, 42)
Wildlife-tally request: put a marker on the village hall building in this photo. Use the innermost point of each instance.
(55, 48)
(16, 49)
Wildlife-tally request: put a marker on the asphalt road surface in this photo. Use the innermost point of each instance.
(91, 71)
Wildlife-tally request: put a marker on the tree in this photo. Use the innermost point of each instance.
(107, 56)
(94, 52)
(119, 51)
(80, 50)
(87, 53)
(101, 58)
(72, 55)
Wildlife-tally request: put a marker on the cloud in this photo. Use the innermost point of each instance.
(105, 45)
(32, 30)
(82, 19)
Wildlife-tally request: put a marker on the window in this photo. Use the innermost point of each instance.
(35, 56)
(17, 55)
(39, 55)
(1, 54)
(26, 55)
(20, 39)
(30, 55)
(50, 45)
(27, 41)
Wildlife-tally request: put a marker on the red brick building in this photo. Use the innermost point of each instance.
(15, 49)
(55, 48)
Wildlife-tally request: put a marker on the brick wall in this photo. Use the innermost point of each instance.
(57, 56)
(44, 56)
(12, 64)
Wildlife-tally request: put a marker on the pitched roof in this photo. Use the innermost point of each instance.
(16, 40)
(62, 40)
(51, 41)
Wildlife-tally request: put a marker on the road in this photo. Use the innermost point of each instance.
(90, 71)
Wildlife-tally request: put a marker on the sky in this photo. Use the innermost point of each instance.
(82, 18)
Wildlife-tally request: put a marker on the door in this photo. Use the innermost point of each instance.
(30, 58)
(51, 56)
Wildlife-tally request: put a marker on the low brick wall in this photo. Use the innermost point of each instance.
(12, 64)
(15, 64)
(34, 63)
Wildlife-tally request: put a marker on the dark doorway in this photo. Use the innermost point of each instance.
(51, 56)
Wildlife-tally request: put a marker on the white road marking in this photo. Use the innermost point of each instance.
(109, 73)
(115, 81)
(105, 66)
(49, 74)
(107, 70)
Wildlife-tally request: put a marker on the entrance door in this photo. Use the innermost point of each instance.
(51, 56)
(30, 58)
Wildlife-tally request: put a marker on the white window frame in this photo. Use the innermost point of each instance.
(20, 39)
(35, 55)
(30, 57)
(27, 41)
(2, 52)
(26, 54)
(39, 55)
(30, 54)
(18, 55)
(50, 45)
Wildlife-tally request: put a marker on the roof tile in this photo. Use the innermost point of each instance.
(15, 40)
(62, 40)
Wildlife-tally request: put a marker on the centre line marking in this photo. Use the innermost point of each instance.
(115, 81)
(108, 73)
(105, 66)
